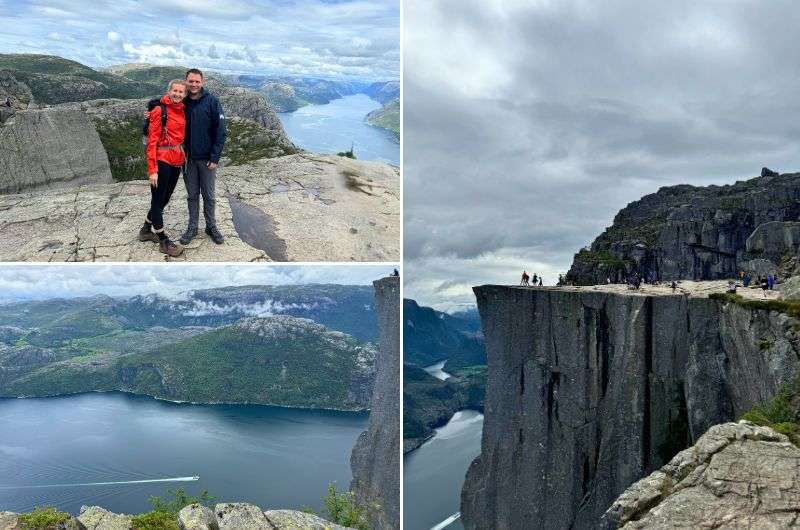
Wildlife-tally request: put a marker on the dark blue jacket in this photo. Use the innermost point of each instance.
(205, 127)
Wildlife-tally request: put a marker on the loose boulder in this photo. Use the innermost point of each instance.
(737, 475)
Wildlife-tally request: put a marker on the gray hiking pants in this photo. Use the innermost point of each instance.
(199, 179)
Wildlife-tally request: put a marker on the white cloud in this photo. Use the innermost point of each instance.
(528, 125)
(237, 36)
(19, 282)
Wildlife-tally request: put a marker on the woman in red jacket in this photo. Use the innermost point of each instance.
(165, 156)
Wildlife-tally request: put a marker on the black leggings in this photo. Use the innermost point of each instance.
(159, 196)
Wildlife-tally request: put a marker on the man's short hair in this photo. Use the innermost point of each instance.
(176, 82)
(193, 71)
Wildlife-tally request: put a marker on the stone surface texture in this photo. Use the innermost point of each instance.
(97, 518)
(51, 146)
(294, 520)
(375, 459)
(590, 389)
(197, 517)
(321, 208)
(737, 475)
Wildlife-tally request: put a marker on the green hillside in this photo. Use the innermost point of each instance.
(57, 80)
(278, 360)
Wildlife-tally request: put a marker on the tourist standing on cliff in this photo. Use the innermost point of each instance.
(525, 278)
(205, 138)
(165, 156)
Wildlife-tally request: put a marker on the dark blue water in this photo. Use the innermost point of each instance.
(272, 457)
(331, 128)
(434, 473)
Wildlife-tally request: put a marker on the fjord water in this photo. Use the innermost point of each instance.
(273, 457)
(434, 473)
(331, 128)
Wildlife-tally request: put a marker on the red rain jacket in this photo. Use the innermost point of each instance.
(166, 147)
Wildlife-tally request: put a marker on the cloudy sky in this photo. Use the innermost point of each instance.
(331, 38)
(37, 282)
(529, 124)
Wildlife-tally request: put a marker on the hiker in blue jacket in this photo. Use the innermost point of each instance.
(205, 138)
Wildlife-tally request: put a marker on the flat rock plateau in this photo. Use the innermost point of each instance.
(301, 207)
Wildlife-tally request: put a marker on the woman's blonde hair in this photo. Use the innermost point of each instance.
(176, 82)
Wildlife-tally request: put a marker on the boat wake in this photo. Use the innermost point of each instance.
(447, 522)
(147, 481)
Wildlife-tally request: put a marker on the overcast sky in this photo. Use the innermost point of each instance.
(529, 124)
(336, 38)
(37, 282)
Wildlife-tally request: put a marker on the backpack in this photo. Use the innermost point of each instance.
(153, 103)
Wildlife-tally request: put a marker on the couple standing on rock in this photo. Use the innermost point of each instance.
(198, 123)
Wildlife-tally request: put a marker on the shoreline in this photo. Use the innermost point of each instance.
(427, 439)
(200, 403)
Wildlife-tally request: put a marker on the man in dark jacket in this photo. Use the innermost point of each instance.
(205, 137)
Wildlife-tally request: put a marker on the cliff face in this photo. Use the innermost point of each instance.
(42, 147)
(699, 233)
(375, 460)
(589, 390)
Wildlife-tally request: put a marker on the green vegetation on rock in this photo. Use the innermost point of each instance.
(175, 500)
(155, 520)
(42, 518)
(246, 141)
(782, 413)
(789, 307)
(343, 509)
(122, 141)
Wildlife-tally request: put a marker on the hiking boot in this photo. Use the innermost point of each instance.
(187, 236)
(215, 234)
(166, 246)
(147, 234)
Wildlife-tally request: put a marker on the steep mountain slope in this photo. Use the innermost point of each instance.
(430, 336)
(698, 233)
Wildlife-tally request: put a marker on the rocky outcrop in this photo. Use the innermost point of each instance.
(590, 389)
(375, 460)
(735, 476)
(292, 519)
(281, 96)
(294, 208)
(14, 91)
(97, 518)
(698, 233)
(50, 146)
(225, 516)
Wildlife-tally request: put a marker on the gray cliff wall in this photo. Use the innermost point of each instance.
(41, 147)
(375, 460)
(589, 391)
